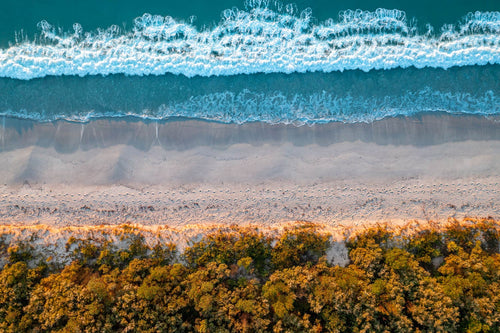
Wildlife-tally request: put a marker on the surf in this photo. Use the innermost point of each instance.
(259, 39)
(299, 98)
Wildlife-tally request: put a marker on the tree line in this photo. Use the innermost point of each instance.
(241, 280)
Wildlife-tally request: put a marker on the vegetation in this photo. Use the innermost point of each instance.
(240, 280)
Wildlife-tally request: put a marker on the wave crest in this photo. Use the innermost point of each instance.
(259, 39)
(278, 108)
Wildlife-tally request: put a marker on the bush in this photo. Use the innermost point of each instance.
(235, 281)
(300, 246)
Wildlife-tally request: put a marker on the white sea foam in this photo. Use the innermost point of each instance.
(277, 107)
(257, 40)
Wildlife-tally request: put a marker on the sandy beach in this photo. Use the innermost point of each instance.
(183, 172)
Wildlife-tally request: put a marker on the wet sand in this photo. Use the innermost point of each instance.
(177, 173)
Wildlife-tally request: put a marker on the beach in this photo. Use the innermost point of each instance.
(183, 172)
(249, 165)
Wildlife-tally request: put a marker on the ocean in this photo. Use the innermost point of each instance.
(299, 63)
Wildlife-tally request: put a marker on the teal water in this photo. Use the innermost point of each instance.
(352, 96)
(311, 61)
(24, 15)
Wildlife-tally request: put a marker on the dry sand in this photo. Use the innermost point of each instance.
(192, 172)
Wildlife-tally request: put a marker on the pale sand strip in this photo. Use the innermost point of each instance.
(50, 241)
(182, 173)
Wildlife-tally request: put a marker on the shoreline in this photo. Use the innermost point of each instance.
(423, 129)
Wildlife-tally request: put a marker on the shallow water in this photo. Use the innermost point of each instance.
(308, 62)
(351, 96)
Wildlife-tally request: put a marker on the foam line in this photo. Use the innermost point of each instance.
(277, 108)
(257, 40)
(309, 98)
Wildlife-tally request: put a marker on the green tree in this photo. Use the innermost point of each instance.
(336, 297)
(16, 284)
(228, 247)
(55, 299)
(288, 292)
(426, 246)
(153, 299)
(299, 246)
(471, 280)
(225, 306)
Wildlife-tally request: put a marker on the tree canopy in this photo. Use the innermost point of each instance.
(242, 280)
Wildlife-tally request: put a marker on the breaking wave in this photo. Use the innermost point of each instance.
(259, 39)
(309, 98)
(277, 108)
